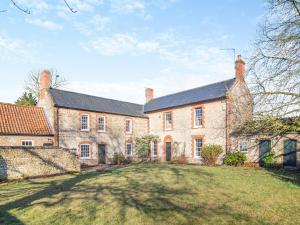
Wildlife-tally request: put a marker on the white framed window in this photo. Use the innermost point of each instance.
(85, 151)
(154, 149)
(168, 120)
(27, 143)
(84, 122)
(198, 115)
(128, 126)
(129, 149)
(243, 146)
(101, 123)
(197, 147)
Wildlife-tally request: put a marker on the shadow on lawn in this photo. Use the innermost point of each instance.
(153, 199)
(292, 176)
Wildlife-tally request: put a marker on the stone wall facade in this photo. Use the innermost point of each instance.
(16, 163)
(277, 145)
(183, 132)
(114, 138)
(16, 140)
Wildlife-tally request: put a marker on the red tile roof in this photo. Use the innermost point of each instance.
(23, 120)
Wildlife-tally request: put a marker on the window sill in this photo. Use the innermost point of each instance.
(85, 130)
(128, 133)
(168, 129)
(101, 131)
(85, 158)
(197, 127)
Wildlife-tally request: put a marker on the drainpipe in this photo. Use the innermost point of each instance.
(57, 126)
(226, 135)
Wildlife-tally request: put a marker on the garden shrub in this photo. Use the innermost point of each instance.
(119, 158)
(269, 159)
(235, 158)
(182, 159)
(142, 146)
(211, 153)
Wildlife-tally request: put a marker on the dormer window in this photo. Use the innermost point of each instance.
(84, 123)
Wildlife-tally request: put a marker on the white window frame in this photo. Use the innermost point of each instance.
(26, 144)
(88, 122)
(85, 157)
(104, 124)
(195, 117)
(170, 124)
(153, 143)
(240, 146)
(131, 149)
(195, 147)
(130, 126)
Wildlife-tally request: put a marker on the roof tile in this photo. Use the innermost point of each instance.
(23, 120)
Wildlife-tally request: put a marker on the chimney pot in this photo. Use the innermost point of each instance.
(149, 94)
(240, 68)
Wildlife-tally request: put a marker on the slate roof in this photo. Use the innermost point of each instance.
(23, 120)
(199, 94)
(72, 100)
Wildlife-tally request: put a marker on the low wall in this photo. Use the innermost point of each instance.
(18, 162)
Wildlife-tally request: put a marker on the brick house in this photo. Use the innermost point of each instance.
(185, 121)
(98, 127)
(24, 126)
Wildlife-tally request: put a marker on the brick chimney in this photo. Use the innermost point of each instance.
(240, 68)
(45, 83)
(149, 94)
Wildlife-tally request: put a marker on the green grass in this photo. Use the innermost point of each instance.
(155, 194)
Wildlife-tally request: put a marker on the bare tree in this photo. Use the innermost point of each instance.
(275, 65)
(27, 11)
(32, 84)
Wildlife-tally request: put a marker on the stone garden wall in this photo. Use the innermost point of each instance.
(18, 162)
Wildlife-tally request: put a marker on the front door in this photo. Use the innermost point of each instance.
(101, 153)
(168, 151)
(264, 147)
(290, 153)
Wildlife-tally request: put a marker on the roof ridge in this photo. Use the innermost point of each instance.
(192, 89)
(23, 106)
(96, 96)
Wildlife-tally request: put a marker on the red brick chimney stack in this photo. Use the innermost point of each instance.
(45, 83)
(149, 94)
(240, 68)
(45, 79)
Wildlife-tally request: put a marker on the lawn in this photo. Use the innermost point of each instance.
(155, 194)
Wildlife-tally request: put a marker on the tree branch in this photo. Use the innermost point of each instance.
(27, 11)
(70, 8)
(295, 6)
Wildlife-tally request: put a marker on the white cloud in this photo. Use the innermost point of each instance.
(45, 24)
(15, 49)
(84, 5)
(120, 44)
(191, 54)
(100, 22)
(80, 6)
(126, 6)
(96, 23)
(35, 6)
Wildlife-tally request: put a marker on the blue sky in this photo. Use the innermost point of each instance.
(116, 48)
